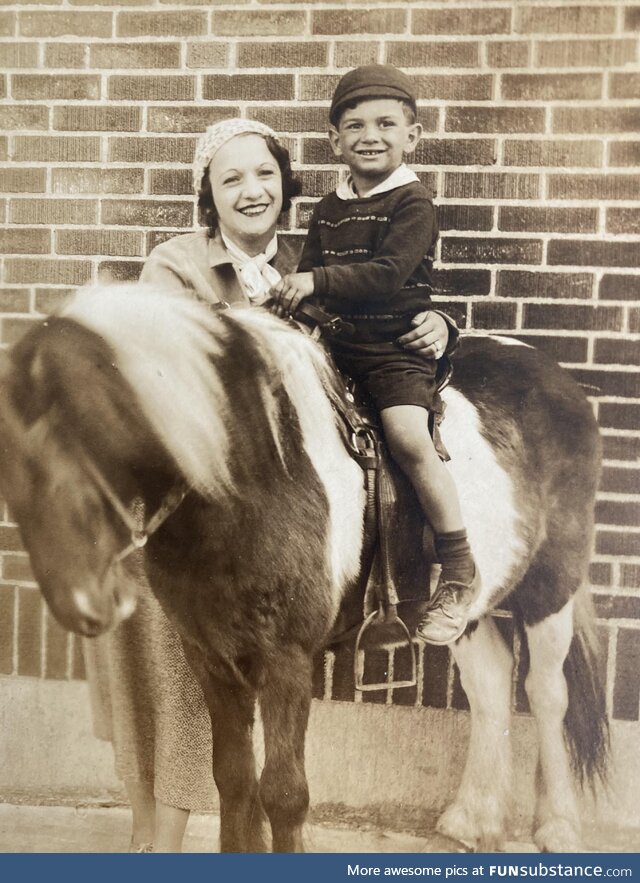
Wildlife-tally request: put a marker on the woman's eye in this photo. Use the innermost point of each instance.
(231, 180)
(266, 173)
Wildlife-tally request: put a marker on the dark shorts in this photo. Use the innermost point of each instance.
(389, 374)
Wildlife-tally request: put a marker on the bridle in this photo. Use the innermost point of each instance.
(139, 535)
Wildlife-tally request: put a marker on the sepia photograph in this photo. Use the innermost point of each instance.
(319, 429)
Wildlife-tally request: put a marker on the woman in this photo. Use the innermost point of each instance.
(242, 175)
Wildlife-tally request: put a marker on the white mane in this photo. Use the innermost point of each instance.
(302, 368)
(163, 343)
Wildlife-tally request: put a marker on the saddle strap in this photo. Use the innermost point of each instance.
(380, 593)
(371, 545)
(386, 500)
(329, 323)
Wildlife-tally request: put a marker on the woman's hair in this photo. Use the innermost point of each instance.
(290, 187)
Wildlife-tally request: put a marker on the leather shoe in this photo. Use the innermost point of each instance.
(447, 616)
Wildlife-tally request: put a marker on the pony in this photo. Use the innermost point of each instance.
(222, 424)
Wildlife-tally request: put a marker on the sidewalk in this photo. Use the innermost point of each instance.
(106, 829)
(102, 829)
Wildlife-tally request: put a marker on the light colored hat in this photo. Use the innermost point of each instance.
(215, 136)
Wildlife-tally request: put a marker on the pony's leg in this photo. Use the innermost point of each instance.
(231, 707)
(284, 703)
(477, 815)
(557, 825)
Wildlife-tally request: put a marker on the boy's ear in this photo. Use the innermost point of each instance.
(334, 140)
(413, 136)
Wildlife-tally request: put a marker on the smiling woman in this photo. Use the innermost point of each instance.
(242, 175)
(248, 185)
(252, 179)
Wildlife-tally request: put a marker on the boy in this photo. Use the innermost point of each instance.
(368, 258)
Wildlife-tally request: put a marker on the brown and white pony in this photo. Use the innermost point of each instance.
(130, 393)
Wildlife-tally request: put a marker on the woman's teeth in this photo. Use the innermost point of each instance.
(253, 209)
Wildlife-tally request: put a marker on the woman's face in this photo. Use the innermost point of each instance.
(247, 191)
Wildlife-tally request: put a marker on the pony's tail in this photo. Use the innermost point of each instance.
(586, 723)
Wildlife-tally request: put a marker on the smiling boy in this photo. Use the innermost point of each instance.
(368, 258)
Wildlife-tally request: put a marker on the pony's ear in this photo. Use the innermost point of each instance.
(5, 365)
(23, 395)
(31, 390)
(14, 451)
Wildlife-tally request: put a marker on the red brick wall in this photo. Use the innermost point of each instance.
(531, 114)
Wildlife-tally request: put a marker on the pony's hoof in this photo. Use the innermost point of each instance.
(457, 824)
(558, 835)
(454, 824)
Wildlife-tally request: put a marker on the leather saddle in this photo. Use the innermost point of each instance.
(385, 604)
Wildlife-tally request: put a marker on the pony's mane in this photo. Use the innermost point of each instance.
(166, 346)
(296, 362)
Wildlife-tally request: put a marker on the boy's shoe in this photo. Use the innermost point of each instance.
(447, 616)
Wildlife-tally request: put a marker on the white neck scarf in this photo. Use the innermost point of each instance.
(256, 273)
(402, 175)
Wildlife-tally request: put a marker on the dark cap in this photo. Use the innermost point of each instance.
(372, 81)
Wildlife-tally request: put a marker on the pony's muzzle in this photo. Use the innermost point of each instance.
(97, 611)
(89, 617)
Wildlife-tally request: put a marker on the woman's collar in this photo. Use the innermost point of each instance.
(238, 255)
(218, 253)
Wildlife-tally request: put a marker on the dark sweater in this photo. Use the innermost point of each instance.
(371, 258)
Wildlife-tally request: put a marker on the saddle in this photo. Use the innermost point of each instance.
(380, 624)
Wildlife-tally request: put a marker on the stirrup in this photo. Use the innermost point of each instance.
(390, 618)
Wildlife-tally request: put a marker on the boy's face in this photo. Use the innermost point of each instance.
(372, 138)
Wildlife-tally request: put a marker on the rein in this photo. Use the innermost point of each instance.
(139, 536)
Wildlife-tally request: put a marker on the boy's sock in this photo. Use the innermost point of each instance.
(455, 556)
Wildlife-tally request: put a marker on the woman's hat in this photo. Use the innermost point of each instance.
(372, 81)
(215, 136)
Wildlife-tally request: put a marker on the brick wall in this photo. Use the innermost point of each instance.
(531, 114)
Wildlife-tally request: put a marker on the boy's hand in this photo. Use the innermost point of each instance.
(430, 334)
(290, 291)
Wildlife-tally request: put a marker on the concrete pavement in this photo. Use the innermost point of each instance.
(103, 829)
(95, 829)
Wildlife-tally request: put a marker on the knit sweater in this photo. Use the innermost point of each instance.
(371, 258)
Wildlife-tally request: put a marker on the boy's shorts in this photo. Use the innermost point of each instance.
(389, 374)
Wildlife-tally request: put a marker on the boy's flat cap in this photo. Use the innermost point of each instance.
(371, 81)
